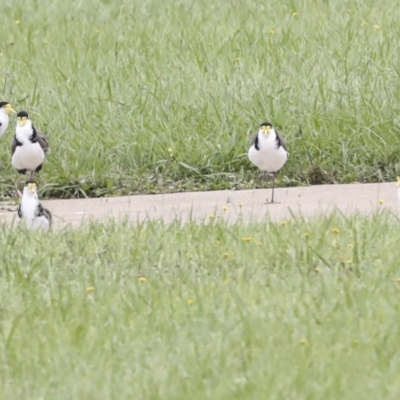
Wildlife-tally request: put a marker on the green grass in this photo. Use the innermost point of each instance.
(115, 84)
(297, 312)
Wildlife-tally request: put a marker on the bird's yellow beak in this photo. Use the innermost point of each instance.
(21, 121)
(398, 181)
(265, 129)
(31, 187)
(9, 109)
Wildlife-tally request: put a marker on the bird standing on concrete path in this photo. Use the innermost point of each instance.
(28, 147)
(5, 109)
(30, 209)
(268, 152)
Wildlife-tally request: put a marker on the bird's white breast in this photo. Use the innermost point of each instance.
(29, 206)
(28, 156)
(269, 157)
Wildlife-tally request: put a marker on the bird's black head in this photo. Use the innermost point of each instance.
(266, 124)
(22, 114)
(3, 103)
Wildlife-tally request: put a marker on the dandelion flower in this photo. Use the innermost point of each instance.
(317, 269)
(211, 216)
(240, 204)
(190, 301)
(237, 59)
(89, 289)
(349, 261)
(377, 26)
(303, 341)
(295, 14)
(306, 234)
(284, 223)
(224, 208)
(97, 31)
(397, 279)
(142, 279)
(381, 201)
(272, 32)
(364, 23)
(246, 239)
(1, 54)
(226, 255)
(17, 22)
(335, 231)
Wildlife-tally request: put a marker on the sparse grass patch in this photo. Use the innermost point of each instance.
(116, 84)
(299, 309)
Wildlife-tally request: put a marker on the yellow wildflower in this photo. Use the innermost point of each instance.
(377, 26)
(226, 255)
(306, 234)
(349, 261)
(303, 341)
(350, 245)
(211, 216)
(190, 301)
(89, 289)
(381, 201)
(237, 59)
(240, 204)
(272, 32)
(224, 208)
(295, 14)
(335, 231)
(283, 223)
(17, 22)
(246, 239)
(317, 269)
(364, 23)
(142, 279)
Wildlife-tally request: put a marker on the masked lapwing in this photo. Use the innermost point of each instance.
(31, 210)
(28, 147)
(5, 109)
(268, 152)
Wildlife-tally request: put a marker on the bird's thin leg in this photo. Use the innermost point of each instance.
(273, 186)
(31, 176)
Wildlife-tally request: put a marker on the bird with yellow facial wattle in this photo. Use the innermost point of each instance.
(31, 210)
(28, 147)
(268, 152)
(5, 110)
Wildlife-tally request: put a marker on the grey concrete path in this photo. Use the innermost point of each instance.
(308, 201)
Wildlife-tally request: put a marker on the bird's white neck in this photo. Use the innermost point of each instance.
(23, 133)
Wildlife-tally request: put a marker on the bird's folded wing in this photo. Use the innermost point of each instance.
(281, 140)
(41, 138)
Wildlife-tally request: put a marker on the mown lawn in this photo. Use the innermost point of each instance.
(161, 96)
(291, 310)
